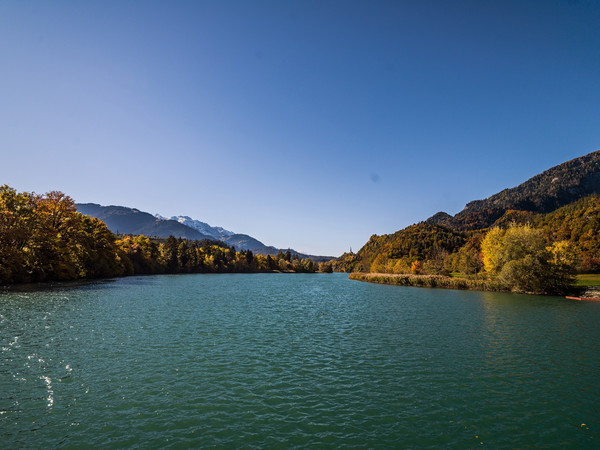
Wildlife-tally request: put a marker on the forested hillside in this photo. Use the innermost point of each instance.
(579, 224)
(546, 192)
(396, 252)
(547, 225)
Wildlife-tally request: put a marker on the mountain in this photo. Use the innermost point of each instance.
(422, 241)
(244, 242)
(546, 192)
(563, 201)
(123, 220)
(202, 227)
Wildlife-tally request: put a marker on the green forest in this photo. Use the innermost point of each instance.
(44, 238)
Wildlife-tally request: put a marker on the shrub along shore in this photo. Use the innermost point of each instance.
(444, 282)
(431, 281)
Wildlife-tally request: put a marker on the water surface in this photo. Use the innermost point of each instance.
(293, 360)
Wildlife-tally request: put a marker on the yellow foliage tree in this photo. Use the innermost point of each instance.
(521, 259)
(416, 267)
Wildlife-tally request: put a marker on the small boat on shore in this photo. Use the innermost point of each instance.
(584, 299)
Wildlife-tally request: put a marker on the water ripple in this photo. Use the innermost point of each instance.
(260, 361)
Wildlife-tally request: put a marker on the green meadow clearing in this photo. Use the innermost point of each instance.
(588, 279)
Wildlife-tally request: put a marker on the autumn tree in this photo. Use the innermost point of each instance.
(521, 259)
(17, 222)
(325, 267)
(44, 238)
(469, 260)
(416, 267)
(55, 239)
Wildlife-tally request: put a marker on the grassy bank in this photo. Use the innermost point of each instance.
(432, 281)
(588, 279)
(585, 286)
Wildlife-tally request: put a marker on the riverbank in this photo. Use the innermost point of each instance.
(440, 281)
(431, 281)
(588, 293)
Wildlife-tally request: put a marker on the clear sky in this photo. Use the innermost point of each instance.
(306, 124)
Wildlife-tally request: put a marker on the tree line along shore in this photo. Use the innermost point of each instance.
(514, 257)
(530, 238)
(43, 238)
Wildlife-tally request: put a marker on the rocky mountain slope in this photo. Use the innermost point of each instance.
(546, 192)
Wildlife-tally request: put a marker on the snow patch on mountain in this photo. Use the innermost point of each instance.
(204, 228)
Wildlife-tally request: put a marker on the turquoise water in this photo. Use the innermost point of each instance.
(293, 360)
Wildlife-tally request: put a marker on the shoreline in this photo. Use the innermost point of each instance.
(429, 281)
(584, 293)
(84, 281)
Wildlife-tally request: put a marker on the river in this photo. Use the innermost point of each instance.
(294, 361)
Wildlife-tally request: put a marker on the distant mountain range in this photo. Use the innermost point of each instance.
(204, 228)
(123, 220)
(544, 193)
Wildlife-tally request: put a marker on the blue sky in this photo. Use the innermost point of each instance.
(306, 124)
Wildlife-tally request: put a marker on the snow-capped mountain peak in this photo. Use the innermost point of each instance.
(202, 227)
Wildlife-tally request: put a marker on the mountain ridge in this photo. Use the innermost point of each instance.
(125, 220)
(202, 227)
(543, 193)
(444, 243)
